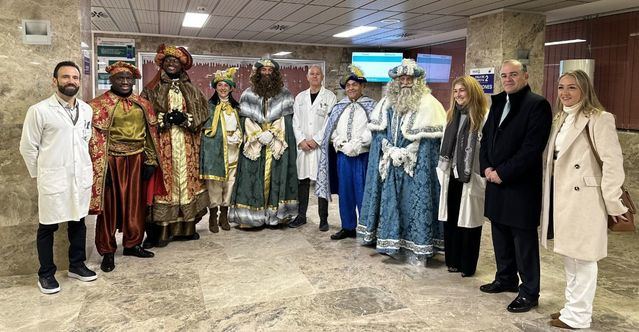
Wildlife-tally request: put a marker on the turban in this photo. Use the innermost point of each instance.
(179, 53)
(408, 67)
(122, 66)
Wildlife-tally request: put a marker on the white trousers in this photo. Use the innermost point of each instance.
(581, 284)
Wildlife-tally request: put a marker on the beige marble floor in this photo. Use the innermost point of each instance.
(300, 280)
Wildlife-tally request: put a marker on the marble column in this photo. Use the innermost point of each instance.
(26, 80)
(504, 35)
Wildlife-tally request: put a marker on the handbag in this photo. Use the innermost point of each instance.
(622, 225)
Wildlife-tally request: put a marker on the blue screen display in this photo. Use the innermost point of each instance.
(437, 67)
(376, 65)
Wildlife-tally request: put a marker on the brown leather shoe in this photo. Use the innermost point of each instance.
(213, 220)
(558, 323)
(224, 221)
(555, 315)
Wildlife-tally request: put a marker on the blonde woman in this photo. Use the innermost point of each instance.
(586, 195)
(461, 201)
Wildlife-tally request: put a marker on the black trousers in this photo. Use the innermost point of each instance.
(77, 232)
(322, 203)
(517, 251)
(461, 244)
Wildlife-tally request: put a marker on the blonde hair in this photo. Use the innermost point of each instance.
(477, 104)
(589, 102)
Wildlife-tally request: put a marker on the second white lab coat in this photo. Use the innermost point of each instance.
(308, 123)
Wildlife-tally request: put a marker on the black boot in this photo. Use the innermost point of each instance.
(224, 218)
(213, 220)
(151, 236)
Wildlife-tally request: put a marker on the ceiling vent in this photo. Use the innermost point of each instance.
(279, 27)
(98, 13)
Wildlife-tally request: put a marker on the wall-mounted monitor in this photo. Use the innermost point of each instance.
(437, 67)
(376, 65)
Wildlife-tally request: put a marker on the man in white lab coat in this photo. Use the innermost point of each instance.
(310, 111)
(55, 148)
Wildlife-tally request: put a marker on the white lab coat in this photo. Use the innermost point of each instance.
(56, 152)
(308, 123)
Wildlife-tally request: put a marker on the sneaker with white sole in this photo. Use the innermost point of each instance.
(48, 285)
(82, 273)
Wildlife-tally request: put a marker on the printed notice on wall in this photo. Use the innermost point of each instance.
(485, 77)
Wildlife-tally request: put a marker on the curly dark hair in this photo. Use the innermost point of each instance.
(267, 86)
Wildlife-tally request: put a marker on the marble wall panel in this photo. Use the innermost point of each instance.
(27, 79)
(496, 37)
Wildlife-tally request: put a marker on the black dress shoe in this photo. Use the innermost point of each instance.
(498, 287)
(522, 304)
(343, 233)
(148, 244)
(323, 226)
(137, 251)
(108, 263)
(299, 221)
(452, 269)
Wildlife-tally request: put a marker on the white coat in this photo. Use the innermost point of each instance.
(471, 207)
(56, 152)
(584, 195)
(308, 123)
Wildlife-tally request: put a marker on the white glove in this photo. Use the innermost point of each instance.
(348, 149)
(398, 156)
(265, 137)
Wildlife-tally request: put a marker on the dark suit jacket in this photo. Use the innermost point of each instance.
(515, 150)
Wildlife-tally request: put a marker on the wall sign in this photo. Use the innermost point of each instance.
(485, 77)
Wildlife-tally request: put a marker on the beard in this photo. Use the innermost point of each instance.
(405, 98)
(267, 86)
(68, 90)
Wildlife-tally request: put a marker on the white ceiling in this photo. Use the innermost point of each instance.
(314, 22)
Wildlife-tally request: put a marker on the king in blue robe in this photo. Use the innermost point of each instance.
(401, 196)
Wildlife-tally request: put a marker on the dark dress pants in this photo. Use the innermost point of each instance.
(461, 244)
(517, 251)
(77, 233)
(303, 191)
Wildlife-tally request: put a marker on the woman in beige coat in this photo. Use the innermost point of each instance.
(584, 192)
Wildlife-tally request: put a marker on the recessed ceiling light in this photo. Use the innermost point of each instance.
(570, 41)
(355, 31)
(282, 53)
(194, 20)
(390, 21)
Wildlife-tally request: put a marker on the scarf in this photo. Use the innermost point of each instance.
(459, 138)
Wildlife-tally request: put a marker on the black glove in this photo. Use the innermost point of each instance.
(176, 117)
(147, 172)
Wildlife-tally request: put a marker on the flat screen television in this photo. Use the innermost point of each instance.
(376, 65)
(437, 67)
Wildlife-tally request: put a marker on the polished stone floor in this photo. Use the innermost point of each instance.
(300, 280)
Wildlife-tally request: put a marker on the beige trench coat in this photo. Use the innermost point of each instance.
(583, 194)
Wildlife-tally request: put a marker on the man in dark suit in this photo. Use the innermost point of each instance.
(512, 144)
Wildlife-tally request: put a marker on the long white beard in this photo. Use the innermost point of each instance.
(405, 99)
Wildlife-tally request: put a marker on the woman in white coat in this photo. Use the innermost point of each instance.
(55, 148)
(585, 194)
(461, 200)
